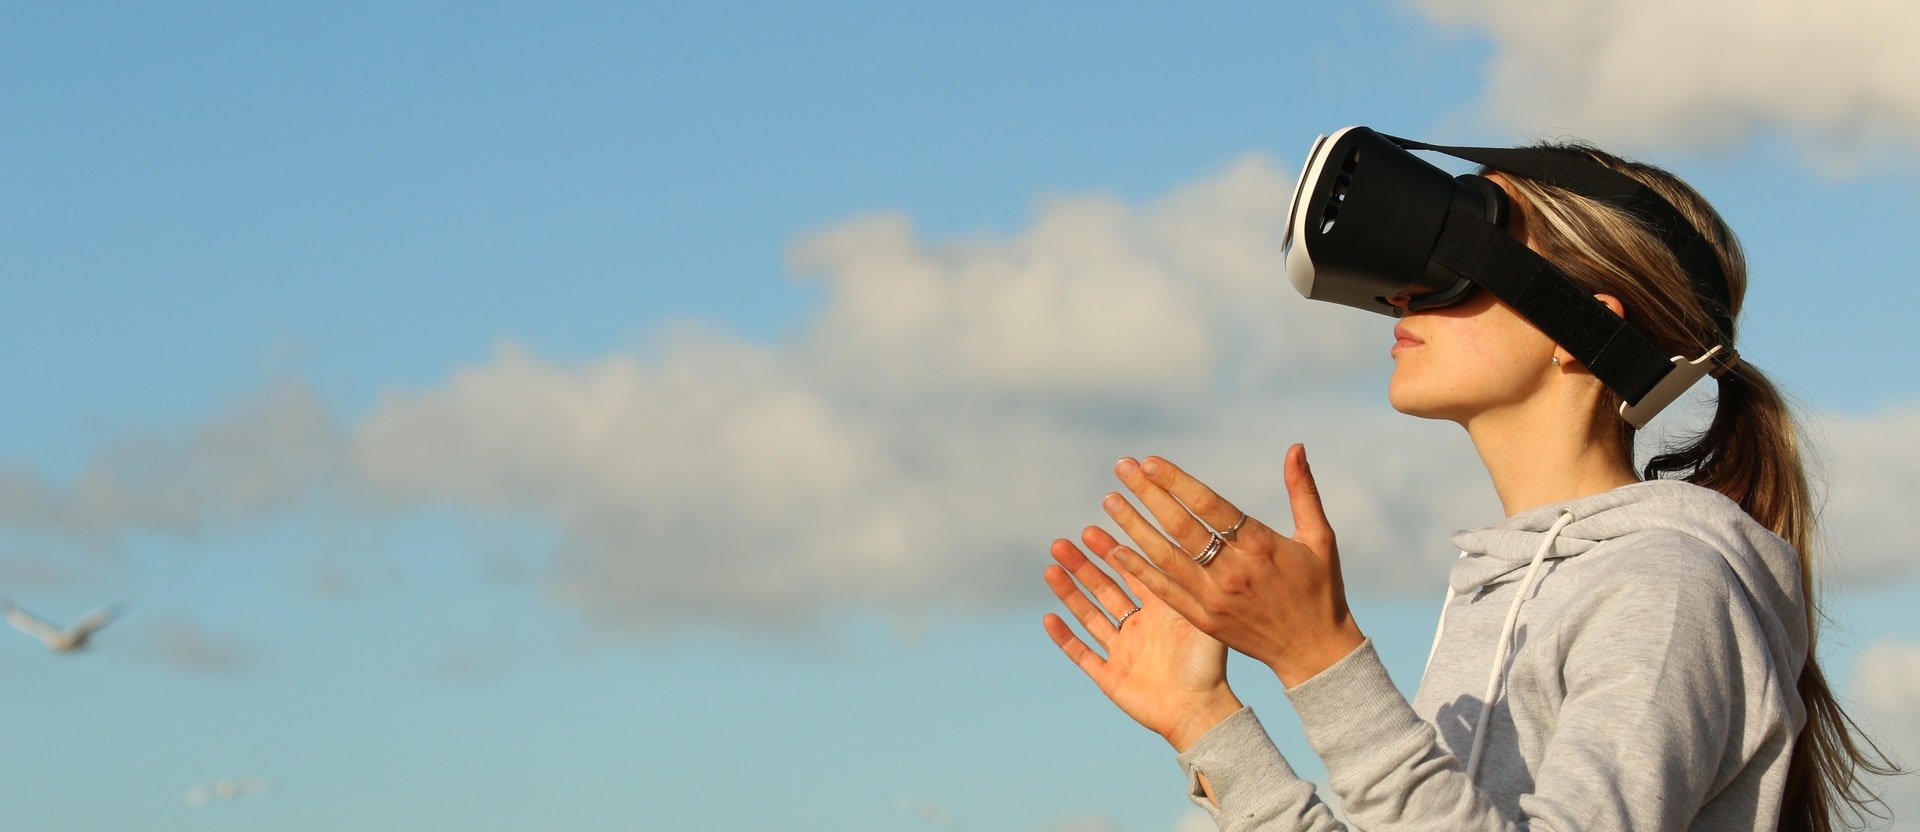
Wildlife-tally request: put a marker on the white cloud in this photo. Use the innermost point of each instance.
(1703, 73)
(270, 453)
(1871, 463)
(1094, 299)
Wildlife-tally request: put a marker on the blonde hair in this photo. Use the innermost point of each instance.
(1750, 452)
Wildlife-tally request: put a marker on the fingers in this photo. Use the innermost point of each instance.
(1169, 557)
(1192, 495)
(1098, 540)
(1095, 579)
(1096, 622)
(1140, 590)
(1142, 574)
(1083, 656)
(1182, 530)
(1167, 570)
(1310, 524)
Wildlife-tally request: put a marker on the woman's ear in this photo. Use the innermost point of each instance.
(1612, 303)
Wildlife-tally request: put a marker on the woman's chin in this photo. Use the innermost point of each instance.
(1411, 402)
(1403, 399)
(1410, 409)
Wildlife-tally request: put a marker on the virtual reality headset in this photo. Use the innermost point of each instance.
(1371, 221)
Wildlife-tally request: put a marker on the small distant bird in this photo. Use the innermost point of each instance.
(927, 810)
(59, 641)
(227, 789)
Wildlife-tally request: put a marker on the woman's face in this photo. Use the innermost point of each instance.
(1465, 359)
(1473, 357)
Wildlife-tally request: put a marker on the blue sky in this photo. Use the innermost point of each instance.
(502, 416)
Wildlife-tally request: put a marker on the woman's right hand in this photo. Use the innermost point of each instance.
(1159, 669)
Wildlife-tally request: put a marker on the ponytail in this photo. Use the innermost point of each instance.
(1751, 453)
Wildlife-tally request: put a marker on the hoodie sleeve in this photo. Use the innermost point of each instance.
(1256, 788)
(1652, 691)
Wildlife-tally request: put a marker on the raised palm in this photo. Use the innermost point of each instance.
(1158, 668)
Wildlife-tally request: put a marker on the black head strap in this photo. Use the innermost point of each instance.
(1580, 174)
(1603, 342)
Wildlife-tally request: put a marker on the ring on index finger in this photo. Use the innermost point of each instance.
(1228, 534)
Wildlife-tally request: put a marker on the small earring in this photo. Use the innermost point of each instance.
(1556, 361)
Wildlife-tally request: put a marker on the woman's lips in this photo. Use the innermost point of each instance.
(1406, 339)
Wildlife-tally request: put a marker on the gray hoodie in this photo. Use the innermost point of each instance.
(1650, 685)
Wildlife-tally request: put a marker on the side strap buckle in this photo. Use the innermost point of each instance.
(1675, 383)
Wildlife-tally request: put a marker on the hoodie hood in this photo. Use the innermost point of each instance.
(1766, 566)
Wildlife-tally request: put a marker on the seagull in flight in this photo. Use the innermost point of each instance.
(228, 789)
(58, 640)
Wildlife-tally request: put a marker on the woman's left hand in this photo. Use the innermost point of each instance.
(1276, 598)
(1158, 669)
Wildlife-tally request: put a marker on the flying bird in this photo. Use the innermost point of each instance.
(927, 810)
(230, 788)
(58, 640)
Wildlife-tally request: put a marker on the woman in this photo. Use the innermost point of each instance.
(1618, 653)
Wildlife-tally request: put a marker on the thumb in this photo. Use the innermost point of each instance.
(1310, 524)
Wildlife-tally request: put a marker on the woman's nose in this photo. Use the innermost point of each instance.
(1401, 301)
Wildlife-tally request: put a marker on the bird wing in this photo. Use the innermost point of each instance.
(95, 620)
(27, 622)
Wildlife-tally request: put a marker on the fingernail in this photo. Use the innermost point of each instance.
(1151, 466)
(1113, 501)
(1125, 465)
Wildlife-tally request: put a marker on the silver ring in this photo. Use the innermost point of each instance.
(1228, 534)
(1214, 544)
(1123, 619)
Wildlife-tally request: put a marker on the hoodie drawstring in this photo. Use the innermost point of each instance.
(1440, 630)
(1504, 647)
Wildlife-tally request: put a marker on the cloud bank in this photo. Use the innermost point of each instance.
(1842, 76)
(956, 405)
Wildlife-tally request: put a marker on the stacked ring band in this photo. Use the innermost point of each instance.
(1123, 619)
(1214, 544)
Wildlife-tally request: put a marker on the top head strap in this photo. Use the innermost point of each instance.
(1578, 173)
